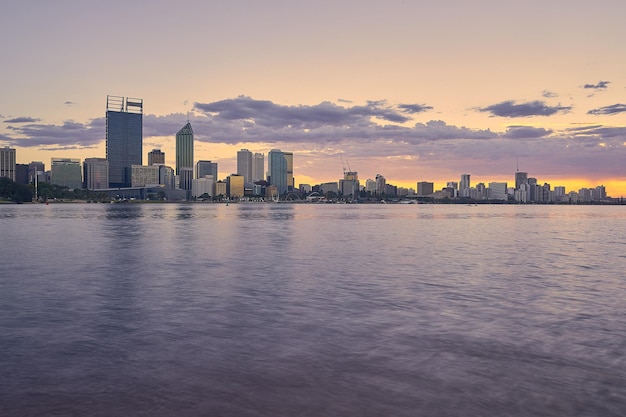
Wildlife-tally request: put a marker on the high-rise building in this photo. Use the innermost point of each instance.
(96, 173)
(204, 168)
(290, 180)
(497, 191)
(185, 178)
(124, 138)
(21, 173)
(235, 186)
(155, 156)
(258, 167)
(184, 150)
(244, 165)
(381, 182)
(349, 185)
(66, 173)
(7, 163)
(38, 169)
(146, 175)
(277, 170)
(425, 188)
(520, 178)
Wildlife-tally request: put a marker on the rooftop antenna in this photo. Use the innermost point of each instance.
(187, 116)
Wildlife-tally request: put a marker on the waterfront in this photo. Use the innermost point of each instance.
(315, 310)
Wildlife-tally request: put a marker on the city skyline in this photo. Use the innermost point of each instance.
(416, 92)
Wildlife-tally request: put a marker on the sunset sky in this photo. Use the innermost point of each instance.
(413, 90)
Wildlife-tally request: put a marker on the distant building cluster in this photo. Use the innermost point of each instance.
(121, 173)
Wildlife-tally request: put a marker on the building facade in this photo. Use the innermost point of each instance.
(258, 167)
(156, 156)
(66, 172)
(145, 175)
(184, 149)
(7, 163)
(96, 173)
(244, 165)
(277, 170)
(124, 138)
(204, 168)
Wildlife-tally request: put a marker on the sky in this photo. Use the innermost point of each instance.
(412, 90)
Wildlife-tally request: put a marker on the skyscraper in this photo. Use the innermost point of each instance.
(258, 167)
(66, 173)
(204, 168)
(289, 159)
(7, 163)
(277, 170)
(184, 149)
(124, 138)
(155, 156)
(520, 178)
(96, 173)
(244, 165)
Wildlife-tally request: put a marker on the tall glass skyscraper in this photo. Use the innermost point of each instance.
(124, 138)
(277, 170)
(244, 165)
(184, 149)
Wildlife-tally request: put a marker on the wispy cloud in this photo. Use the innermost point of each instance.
(549, 94)
(608, 110)
(600, 85)
(414, 108)
(69, 133)
(526, 132)
(69, 103)
(22, 120)
(510, 108)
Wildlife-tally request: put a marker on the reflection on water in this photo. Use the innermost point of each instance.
(321, 310)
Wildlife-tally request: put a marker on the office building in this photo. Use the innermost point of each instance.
(21, 173)
(277, 170)
(124, 138)
(381, 182)
(96, 173)
(66, 172)
(349, 185)
(258, 167)
(464, 186)
(498, 191)
(425, 188)
(7, 163)
(204, 168)
(202, 186)
(220, 189)
(244, 165)
(184, 150)
(185, 178)
(145, 175)
(520, 178)
(290, 180)
(167, 178)
(235, 186)
(37, 169)
(155, 157)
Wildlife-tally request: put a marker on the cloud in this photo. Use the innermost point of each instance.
(414, 108)
(598, 86)
(549, 94)
(22, 120)
(266, 113)
(342, 100)
(69, 103)
(608, 110)
(532, 108)
(526, 132)
(70, 133)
